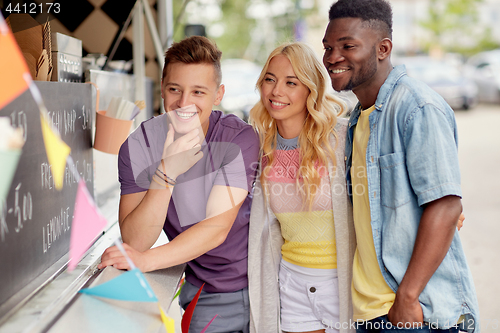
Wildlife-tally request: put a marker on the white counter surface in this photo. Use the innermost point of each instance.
(94, 314)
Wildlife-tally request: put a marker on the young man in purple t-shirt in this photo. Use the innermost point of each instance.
(190, 172)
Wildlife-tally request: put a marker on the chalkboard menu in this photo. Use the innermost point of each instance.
(35, 218)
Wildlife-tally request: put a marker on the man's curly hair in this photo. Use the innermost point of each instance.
(376, 13)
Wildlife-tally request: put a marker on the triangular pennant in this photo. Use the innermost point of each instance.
(181, 283)
(206, 327)
(167, 321)
(86, 226)
(57, 152)
(129, 286)
(12, 66)
(8, 167)
(188, 314)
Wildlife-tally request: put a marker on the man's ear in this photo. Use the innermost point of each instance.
(384, 48)
(220, 93)
(161, 89)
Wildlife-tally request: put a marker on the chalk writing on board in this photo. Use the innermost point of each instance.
(46, 176)
(69, 121)
(86, 117)
(22, 211)
(83, 168)
(3, 221)
(63, 121)
(57, 226)
(18, 119)
(44, 239)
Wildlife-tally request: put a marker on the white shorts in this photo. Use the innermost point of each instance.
(308, 301)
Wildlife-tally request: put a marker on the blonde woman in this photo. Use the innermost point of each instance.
(302, 239)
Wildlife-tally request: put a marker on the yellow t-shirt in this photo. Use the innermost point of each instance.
(371, 296)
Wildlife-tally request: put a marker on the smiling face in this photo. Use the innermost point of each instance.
(350, 54)
(190, 84)
(284, 96)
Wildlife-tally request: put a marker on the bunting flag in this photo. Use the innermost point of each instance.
(57, 152)
(87, 222)
(129, 286)
(188, 314)
(167, 321)
(86, 226)
(8, 167)
(181, 283)
(13, 82)
(209, 323)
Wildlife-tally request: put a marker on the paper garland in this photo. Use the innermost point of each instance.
(87, 221)
(12, 66)
(167, 321)
(8, 166)
(209, 323)
(57, 152)
(188, 314)
(129, 286)
(87, 224)
(12, 84)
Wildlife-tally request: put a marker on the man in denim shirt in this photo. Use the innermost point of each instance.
(410, 270)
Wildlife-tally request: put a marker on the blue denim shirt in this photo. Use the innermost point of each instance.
(412, 159)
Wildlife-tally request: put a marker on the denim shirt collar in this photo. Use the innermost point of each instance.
(388, 86)
(384, 93)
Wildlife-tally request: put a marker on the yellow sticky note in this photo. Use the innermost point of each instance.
(167, 321)
(57, 153)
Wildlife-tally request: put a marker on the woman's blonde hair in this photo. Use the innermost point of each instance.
(322, 111)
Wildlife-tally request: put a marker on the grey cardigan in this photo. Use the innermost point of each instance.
(264, 249)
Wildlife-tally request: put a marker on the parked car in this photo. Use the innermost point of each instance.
(484, 69)
(446, 79)
(239, 77)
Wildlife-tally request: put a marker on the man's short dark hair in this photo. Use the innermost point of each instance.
(376, 13)
(194, 50)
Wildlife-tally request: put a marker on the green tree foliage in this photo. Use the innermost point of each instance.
(240, 30)
(237, 28)
(454, 26)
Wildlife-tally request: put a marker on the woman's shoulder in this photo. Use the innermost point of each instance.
(341, 128)
(341, 123)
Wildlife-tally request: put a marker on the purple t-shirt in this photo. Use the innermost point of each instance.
(230, 157)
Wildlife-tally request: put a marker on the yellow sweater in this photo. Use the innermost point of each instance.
(309, 235)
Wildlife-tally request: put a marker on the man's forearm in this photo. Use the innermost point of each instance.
(435, 234)
(142, 217)
(193, 242)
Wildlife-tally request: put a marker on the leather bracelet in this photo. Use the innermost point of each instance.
(164, 174)
(167, 185)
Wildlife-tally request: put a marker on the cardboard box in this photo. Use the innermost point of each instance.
(34, 40)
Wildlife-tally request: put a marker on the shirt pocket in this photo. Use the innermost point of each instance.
(394, 182)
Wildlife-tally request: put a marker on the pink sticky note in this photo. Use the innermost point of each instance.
(86, 226)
